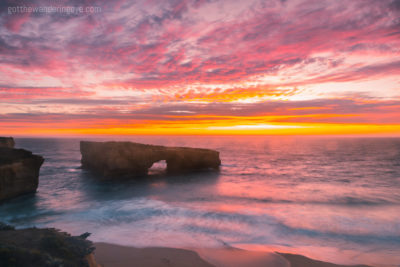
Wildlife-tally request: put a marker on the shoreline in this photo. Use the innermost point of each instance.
(112, 255)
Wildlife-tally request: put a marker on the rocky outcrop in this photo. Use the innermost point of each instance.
(19, 172)
(44, 248)
(7, 142)
(127, 159)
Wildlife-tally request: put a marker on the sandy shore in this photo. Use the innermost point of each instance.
(109, 255)
(301, 261)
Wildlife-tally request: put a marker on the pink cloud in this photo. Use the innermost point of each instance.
(18, 94)
(167, 47)
(14, 22)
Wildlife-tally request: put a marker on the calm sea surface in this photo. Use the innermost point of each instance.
(334, 199)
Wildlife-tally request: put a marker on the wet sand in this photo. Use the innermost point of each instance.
(109, 255)
(302, 261)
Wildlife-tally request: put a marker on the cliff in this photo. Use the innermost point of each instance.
(7, 142)
(43, 248)
(19, 172)
(127, 159)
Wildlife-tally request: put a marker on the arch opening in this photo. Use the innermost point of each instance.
(159, 167)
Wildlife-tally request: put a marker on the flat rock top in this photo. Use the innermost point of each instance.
(9, 155)
(122, 144)
(7, 142)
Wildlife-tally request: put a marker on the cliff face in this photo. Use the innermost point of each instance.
(116, 159)
(19, 172)
(7, 142)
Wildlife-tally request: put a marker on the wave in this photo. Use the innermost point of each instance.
(336, 201)
(257, 228)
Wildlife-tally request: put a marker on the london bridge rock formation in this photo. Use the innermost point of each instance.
(19, 170)
(127, 159)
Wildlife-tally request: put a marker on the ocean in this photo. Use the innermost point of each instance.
(329, 198)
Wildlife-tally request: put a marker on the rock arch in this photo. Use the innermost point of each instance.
(128, 159)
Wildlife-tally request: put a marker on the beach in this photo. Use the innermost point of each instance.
(110, 255)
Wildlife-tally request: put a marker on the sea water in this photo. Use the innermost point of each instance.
(329, 198)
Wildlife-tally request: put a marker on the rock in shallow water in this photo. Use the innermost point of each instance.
(127, 159)
(19, 172)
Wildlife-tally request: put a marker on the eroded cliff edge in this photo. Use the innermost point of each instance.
(44, 248)
(19, 171)
(127, 159)
(7, 142)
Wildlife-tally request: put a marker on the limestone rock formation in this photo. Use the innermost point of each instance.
(19, 172)
(127, 159)
(7, 142)
(47, 247)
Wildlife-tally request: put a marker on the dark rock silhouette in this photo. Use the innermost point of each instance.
(19, 172)
(127, 159)
(7, 142)
(43, 247)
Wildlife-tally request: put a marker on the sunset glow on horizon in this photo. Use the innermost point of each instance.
(279, 67)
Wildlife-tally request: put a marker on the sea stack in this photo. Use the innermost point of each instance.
(19, 170)
(127, 159)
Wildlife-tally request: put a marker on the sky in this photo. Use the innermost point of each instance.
(199, 67)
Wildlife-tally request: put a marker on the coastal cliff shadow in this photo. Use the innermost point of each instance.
(97, 188)
(27, 201)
